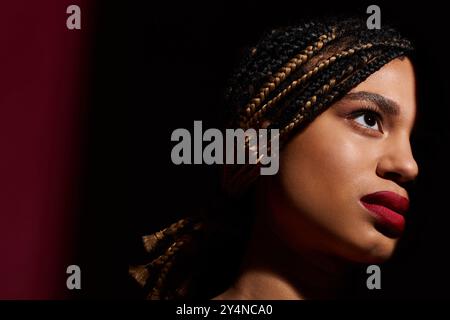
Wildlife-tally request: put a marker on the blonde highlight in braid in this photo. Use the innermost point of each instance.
(342, 55)
(294, 84)
(285, 71)
(284, 82)
(164, 246)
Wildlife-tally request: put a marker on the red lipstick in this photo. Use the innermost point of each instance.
(388, 208)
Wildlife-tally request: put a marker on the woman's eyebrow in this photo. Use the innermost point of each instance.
(386, 105)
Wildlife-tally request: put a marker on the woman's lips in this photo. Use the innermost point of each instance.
(388, 207)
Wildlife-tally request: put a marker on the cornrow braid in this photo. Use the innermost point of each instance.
(304, 77)
(259, 63)
(285, 71)
(350, 79)
(151, 242)
(321, 65)
(285, 83)
(163, 248)
(303, 105)
(157, 288)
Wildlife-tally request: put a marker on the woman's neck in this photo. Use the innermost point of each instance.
(271, 270)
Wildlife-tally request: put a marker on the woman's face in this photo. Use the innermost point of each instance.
(325, 196)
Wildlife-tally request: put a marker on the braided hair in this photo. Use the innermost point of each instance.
(284, 82)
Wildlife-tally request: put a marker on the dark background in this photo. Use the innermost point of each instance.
(144, 69)
(181, 56)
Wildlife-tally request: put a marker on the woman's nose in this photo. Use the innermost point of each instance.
(398, 163)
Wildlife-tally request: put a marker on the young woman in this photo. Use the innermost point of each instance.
(343, 100)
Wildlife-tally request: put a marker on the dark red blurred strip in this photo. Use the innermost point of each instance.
(42, 93)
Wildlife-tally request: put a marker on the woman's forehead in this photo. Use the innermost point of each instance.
(395, 81)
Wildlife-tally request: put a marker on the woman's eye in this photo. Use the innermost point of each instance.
(369, 120)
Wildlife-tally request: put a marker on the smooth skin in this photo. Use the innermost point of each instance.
(311, 228)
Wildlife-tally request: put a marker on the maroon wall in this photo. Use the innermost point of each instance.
(43, 86)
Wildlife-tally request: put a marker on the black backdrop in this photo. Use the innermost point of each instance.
(158, 67)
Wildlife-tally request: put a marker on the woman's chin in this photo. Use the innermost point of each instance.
(376, 250)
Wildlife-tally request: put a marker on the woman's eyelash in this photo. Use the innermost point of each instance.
(367, 110)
